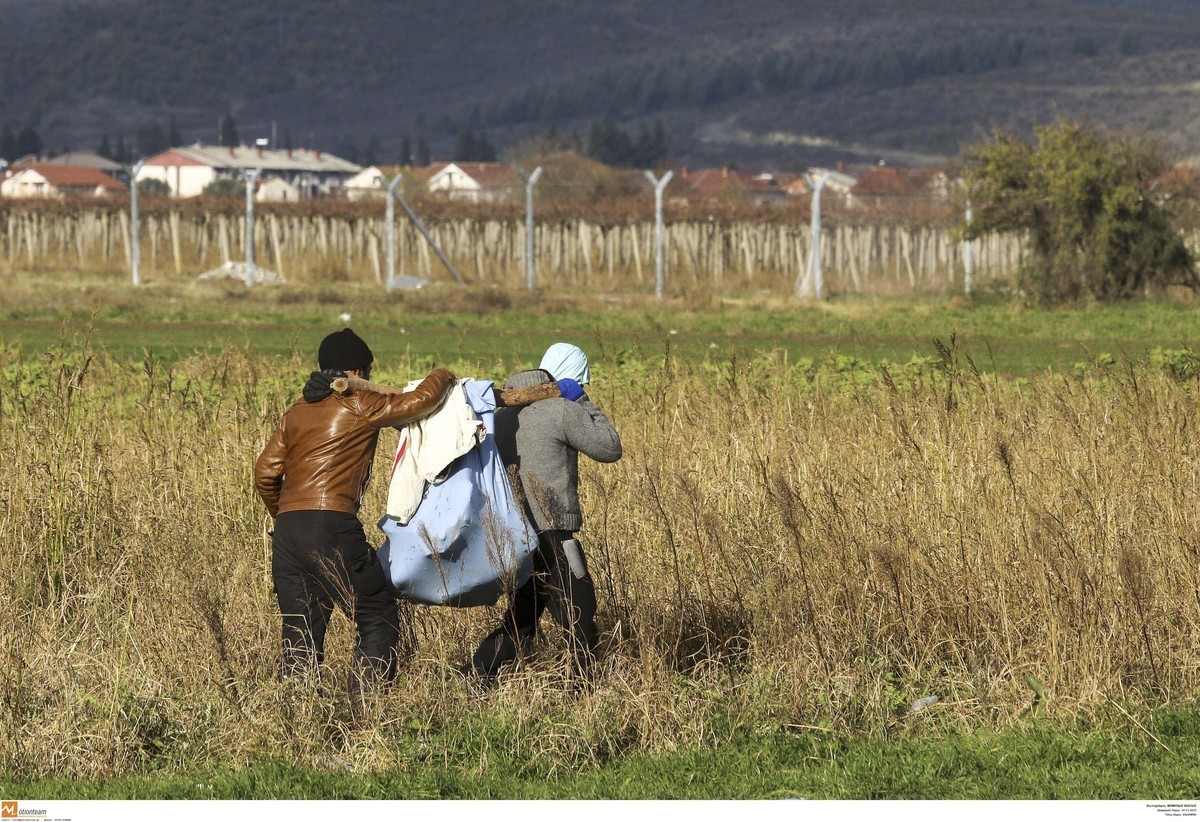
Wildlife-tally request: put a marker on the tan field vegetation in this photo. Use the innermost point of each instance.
(784, 547)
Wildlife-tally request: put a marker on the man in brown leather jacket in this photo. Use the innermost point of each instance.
(311, 475)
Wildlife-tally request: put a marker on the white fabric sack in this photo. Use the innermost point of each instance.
(468, 542)
(428, 447)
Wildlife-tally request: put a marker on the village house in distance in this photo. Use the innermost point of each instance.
(288, 175)
(52, 180)
(469, 182)
(294, 175)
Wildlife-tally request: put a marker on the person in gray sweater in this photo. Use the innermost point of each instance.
(543, 442)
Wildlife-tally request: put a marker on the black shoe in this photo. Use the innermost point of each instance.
(498, 650)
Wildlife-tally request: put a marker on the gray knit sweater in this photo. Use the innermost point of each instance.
(544, 441)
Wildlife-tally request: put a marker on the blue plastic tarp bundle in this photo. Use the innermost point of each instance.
(468, 542)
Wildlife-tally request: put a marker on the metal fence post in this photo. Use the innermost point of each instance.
(251, 176)
(391, 230)
(968, 258)
(813, 282)
(659, 185)
(412, 215)
(135, 254)
(530, 182)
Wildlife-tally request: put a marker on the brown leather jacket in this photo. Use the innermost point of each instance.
(319, 458)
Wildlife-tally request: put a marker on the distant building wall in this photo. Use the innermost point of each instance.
(184, 181)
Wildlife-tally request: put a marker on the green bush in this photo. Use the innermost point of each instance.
(1087, 200)
(153, 188)
(224, 188)
(1181, 363)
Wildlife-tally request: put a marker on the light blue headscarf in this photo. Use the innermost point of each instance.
(566, 362)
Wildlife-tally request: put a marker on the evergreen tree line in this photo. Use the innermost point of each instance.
(373, 154)
(889, 67)
(639, 90)
(613, 146)
(607, 143)
(23, 141)
(153, 138)
(421, 157)
(227, 131)
(473, 147)
(150, 139)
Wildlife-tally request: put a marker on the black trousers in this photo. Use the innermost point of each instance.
(321, 559)
(569, 594)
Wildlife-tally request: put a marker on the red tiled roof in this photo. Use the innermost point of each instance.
(428, 172)
(725, 180)
(888, 180)
(77, 177)
(171, 157)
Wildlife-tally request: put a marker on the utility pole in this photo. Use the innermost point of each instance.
(659, 185)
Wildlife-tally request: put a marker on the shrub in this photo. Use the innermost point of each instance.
(224, 188)
(1087, 201)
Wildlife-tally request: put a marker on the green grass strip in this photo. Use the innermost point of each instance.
(1020, 763)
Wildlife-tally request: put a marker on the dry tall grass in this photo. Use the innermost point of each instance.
(781, 548)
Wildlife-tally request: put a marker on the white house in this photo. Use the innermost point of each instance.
(47, 180)
(370, 182)
(276, 190)
(475, 182)
(187, 170)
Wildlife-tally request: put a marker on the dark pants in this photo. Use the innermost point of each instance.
(321, 559)
(570, 598)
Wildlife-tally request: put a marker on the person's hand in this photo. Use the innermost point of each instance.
(570, 389)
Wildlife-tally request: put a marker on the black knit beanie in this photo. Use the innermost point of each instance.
(344, 350)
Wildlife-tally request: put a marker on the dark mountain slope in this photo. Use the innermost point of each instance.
(776, 81)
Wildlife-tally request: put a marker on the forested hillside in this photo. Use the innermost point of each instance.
(770, 81)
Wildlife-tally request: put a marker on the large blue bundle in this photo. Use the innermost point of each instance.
(468, 542)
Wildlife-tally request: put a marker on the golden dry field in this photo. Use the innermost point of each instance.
(784, 548)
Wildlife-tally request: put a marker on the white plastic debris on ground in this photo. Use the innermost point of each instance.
(248, 274)
(406, 282)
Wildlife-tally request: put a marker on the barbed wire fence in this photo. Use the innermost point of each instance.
(718, 243)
